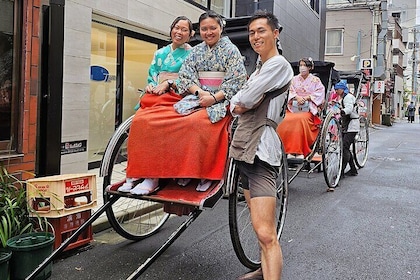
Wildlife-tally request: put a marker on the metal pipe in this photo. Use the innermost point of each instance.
(413, 61)
(359, 48)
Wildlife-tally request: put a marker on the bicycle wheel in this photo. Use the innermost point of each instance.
(244, 240)
(134, 219)
(332, 150)
(360, 145)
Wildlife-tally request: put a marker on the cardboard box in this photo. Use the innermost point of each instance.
(61, 195)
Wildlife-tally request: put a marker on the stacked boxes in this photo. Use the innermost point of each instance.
(65, 226)
(66, 201)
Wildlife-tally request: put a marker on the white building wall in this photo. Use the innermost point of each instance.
(148, 16)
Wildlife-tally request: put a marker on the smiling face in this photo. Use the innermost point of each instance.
(210, 31)
(263, 38)
(180, 33)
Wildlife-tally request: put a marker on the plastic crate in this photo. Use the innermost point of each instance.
(65, 226)
(61, 195)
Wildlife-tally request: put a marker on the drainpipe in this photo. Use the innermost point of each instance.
(379, 72)
(414, 74)
(359, 48)
(255, 5)
(373, 54)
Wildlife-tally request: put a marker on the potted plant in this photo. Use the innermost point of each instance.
(20, 234)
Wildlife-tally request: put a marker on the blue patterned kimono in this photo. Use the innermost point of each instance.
(225, 57)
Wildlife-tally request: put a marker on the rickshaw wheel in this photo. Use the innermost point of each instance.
(332, 150)
(361, 142)
(244, 240)
(134, 219)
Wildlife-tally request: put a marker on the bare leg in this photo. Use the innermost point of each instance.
(263, 221)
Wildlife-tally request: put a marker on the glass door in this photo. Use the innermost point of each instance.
(136, 60)
(103, 89)
(120, 62)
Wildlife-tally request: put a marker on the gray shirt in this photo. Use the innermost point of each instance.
(273, 74)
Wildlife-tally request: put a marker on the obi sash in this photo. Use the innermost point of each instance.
(163, 76)
(211, 79)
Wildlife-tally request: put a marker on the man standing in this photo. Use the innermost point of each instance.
(411, 111)
(350, 124)
(419, 114)
(256, 146)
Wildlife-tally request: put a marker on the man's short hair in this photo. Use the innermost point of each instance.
(271, 19)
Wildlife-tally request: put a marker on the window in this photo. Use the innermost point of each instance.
(334, 42)
(8, 74)
(339, 1)
(247, 7)
(111, 101)
(314, 4)
(222, 7)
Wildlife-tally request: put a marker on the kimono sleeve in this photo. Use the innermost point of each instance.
(154, 69)
(188, 74)
(235, 72)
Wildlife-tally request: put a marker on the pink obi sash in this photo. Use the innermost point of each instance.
(211, 80)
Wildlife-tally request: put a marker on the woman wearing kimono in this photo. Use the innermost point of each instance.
(160, 92)
(300, 126)
(195, 145)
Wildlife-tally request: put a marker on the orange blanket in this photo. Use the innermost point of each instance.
(298, 131)
(165, 144)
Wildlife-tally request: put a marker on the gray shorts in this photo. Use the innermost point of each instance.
(259, 178)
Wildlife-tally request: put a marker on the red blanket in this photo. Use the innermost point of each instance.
(298, 131)
(165, 144)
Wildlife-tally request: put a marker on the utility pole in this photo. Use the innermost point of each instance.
(414, 62)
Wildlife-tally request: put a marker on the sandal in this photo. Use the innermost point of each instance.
(184, 181)
(203, 185)
(148, 186)
(128, 185)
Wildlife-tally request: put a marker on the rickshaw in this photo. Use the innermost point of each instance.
(328, 147)
(138, 217)
(357, 82)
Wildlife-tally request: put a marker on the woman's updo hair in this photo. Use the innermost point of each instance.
(214, 15)
(308, 62)
(178, 19)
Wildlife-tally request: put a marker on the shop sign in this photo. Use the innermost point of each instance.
(365, 90)
(100, 74)
(73, 147)
(366, 63)
(379, 87)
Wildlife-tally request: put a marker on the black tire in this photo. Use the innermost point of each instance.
(134, 219)
(244, 240)
(361, 143)
(332, 150)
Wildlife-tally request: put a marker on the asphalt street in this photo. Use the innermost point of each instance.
(367, 229)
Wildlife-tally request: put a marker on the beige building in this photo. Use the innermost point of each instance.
(357, 31)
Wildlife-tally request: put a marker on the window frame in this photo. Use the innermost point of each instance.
(341, 43)
(314, 5)
(208, 6)
(13, 145)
